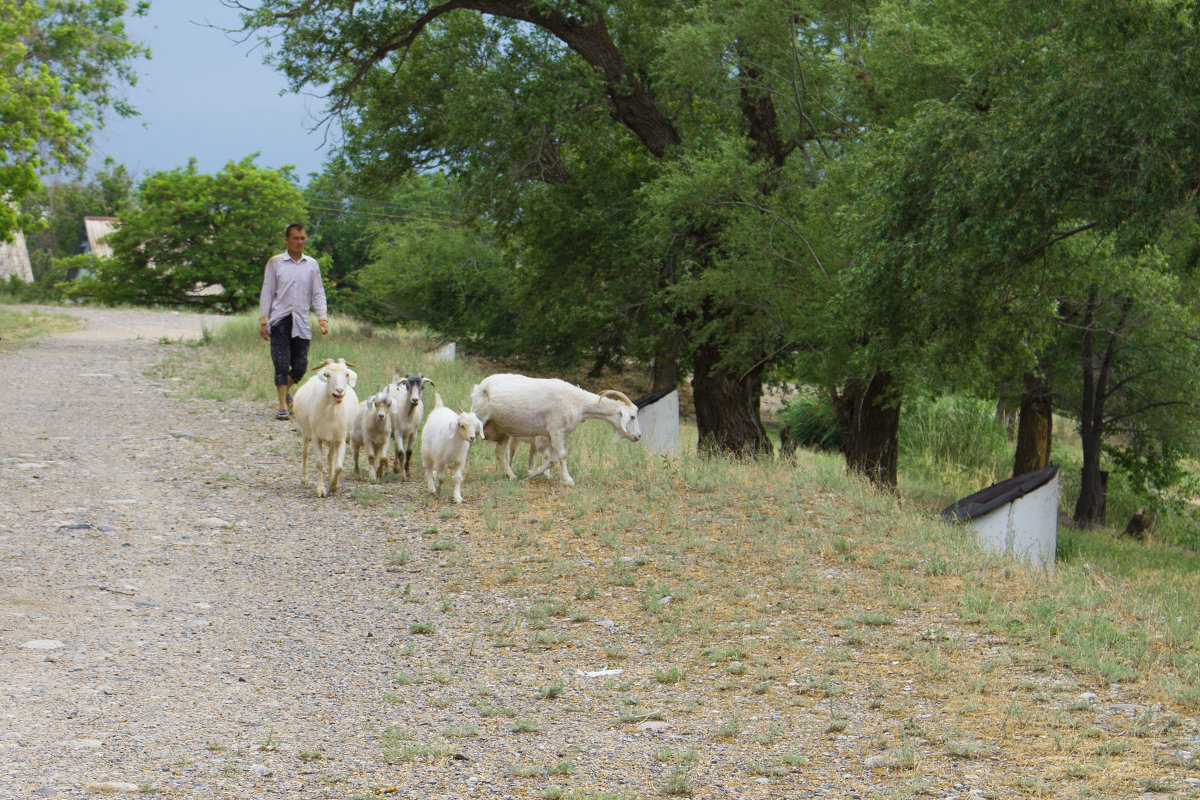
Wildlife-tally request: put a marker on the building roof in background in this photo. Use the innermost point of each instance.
(14, 259)
(96, 229)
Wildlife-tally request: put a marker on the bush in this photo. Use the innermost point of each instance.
(955, 435)
(810, 422)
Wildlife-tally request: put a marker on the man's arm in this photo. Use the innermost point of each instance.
(318, 301)
(265, 297)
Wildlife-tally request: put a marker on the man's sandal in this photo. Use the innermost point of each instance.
(282, 414)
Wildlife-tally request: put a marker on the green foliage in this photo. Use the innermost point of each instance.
(189, 230)
(955, 439)
(63, 205)
(60, 62)
(810, 422)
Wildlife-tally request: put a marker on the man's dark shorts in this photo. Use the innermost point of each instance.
(288, 354)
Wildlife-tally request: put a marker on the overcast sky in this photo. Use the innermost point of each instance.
(205, 95)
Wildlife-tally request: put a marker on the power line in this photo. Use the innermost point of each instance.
(446, 220)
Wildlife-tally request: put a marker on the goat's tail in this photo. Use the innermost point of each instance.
(437, 401)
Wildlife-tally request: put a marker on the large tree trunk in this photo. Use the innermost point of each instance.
(665, 374)
(1035, 427)
(727, 407)
(1093, 481)
(869, 420)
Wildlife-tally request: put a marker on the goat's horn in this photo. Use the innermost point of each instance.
(348, 364)
(620, 396)
(322, 365)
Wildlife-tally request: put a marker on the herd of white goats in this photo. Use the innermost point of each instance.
(505, 409)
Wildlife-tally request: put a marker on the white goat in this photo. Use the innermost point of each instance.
(544, 411)
(372, 429)
(324, 407)
(445, 441)
(406, 418)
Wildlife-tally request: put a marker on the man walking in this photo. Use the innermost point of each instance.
(291, 285)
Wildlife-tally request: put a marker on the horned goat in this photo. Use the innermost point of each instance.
(528, 408)
(325, 407)
(372, 430)
(406, 418)
(445, 442)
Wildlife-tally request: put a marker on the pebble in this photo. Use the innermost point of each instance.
(653, 726)
(599, 673)
(109, 787)
(42, 644)
(82, 744)
(1089, 696)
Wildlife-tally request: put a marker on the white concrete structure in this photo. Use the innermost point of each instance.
(658, 414)
(14, 259)
(1017, 517)
(96, 229)
(444, 353)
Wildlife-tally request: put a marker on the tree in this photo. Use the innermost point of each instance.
(62, 61)
(1076, 120)
(63, 205)
(575, 120)
(1128, 368)
(188, 230)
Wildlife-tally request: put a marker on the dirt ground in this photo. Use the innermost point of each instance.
(179, 616)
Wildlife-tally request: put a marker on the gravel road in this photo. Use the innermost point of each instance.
(170, 615)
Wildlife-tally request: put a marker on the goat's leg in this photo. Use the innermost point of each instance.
(431, 479)
(558, 452)
(457, 476)
(502, 457)
(354, 449)
(549, 452)
(320, 460)
(337, 460)
(407, 461)
(304, 461)
(381, 462)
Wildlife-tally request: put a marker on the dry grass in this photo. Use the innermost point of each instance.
(18, 326)
(806, 625)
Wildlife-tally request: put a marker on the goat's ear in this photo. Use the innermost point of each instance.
(353, 376)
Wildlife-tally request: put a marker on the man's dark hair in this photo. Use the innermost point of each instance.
(295, 226)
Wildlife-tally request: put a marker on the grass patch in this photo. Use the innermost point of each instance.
(19, 326)
(790, 584)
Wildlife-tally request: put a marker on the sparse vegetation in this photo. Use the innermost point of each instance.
(789, 584)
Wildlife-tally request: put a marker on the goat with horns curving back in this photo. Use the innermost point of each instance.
(545, 411)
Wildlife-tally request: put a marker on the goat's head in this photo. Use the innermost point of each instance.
(627, 427)
(469, 427)
(381, 403)
(415, 385)
(337, 377)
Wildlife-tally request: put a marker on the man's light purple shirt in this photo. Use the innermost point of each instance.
(299, 286)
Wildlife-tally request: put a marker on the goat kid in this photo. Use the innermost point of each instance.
(372, 430)
(445, 442)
